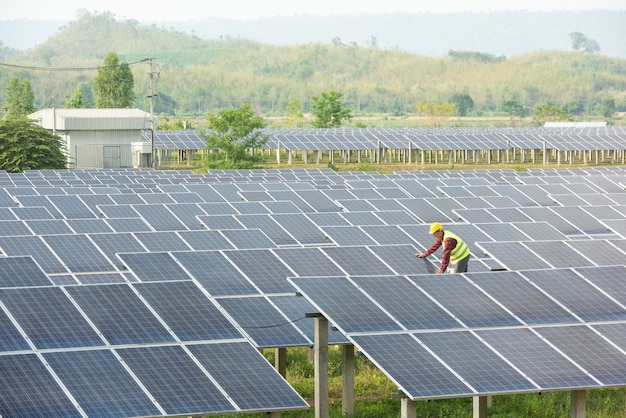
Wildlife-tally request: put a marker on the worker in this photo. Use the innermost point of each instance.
(455, 251)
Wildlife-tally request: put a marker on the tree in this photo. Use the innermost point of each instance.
(328, 110)
(82, 98)
(235, 134)
(294, 117)
(580, 41)
(546, 113)
(607, 107)
(25, 145)
(437, 113)
(114, 84)
(463, 102)
(514, 108)
(19, 99)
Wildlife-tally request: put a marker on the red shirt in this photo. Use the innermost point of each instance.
(445, 257)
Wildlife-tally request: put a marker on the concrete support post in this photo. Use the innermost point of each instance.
(321, 367)
(278, 153)
(347, 392)
(578, 401)
(280, 360)
(480, 407)
(408, 408)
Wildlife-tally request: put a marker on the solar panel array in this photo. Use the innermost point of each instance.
(558, 138)
(191, 266)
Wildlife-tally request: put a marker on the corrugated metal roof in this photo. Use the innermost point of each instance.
(93, 119)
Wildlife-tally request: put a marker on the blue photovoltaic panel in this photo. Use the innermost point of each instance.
(350, 309)
(406, 303)
(35, 247)
(586, 348)
(357, 261)
(162, 241)
(100, 384)
(423, 377)
(348, 235)
(187, 213)
(616, 333)
(263, 323)
(175, 381)
(13, 227)
(153, 266)
(536, 359)
(513, 255)
(49, 227)
(78, 253)
(521, 298)
(308, 262)
(187, 311)
(205, 240)
(89, 226)
(461, 298)
(477, 365)
(558, 254)
(609, 279)
(119, 314)
(11, 339)
(270, 227)
(301, 228)
(235, 363)
(215, 273)
(601, 252)
(111, 244)
(265, 270)
(569, 289)
(248, 239)
(295, 307)
(27, 389)
(387, 234)
(71, 207)
(128, 225)
(401, 258)
(21, 272)
(49, 318)
(40, 201)
(159, 217)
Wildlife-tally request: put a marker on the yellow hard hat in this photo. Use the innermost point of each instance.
(434, 227)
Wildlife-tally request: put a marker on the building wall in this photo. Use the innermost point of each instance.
(110, 149)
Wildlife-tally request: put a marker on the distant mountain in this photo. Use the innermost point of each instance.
(499, 33)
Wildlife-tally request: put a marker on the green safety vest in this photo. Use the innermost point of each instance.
(460, 251)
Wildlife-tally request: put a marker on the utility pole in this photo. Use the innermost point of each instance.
(153, 74)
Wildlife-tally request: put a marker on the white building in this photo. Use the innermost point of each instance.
(99, 138)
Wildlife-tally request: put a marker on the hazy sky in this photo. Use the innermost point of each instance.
(249, 9)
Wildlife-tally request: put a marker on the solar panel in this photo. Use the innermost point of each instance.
(153, 266)
(357, 261)
(263, 268)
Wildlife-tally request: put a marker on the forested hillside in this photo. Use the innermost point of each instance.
(197, 75)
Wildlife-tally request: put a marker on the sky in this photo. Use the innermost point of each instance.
(154, 11)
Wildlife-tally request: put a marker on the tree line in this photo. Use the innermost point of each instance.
(196, 75)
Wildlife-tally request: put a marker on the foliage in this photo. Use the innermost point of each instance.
(293, 114)
(199, 75)
(168, 124)
(514, 108)
(82, 98)
(581, 42)
(114, 84)
(234, 137)
(476, 56)
(463, 102)
(328, 110)
(437, 113)
(607, 107)
(545, 113)
(24, 145)
(19, 99)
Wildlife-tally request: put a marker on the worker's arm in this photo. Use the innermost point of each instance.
(430, 249)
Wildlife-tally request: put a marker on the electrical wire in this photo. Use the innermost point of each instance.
(54, 69)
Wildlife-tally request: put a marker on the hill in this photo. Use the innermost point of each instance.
(498, 33)
(197, 75)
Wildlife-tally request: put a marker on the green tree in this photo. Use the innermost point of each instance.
(546, 113)
(514, 108)
(608, 108)
(167, 124)
(328, 111)
(293, 114)
(234, 136)
(463, 102)
(19, 99)
(114, 84)
(437, 113)
(581, 42)
(82, 98)
(25, 145)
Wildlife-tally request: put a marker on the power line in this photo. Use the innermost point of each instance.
(53, 69)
